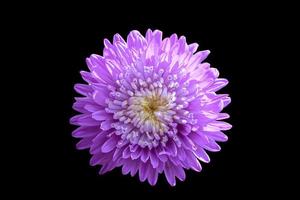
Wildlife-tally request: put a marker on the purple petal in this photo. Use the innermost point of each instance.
(110, 144)
(179, 172)
(223, 116)
(197, 59)
(152, 177)
(169, 173)
(99, 68)
(218, 84)
(193, 47)
(83, 120)
(84, 143)
(184, 129)
(92, 107)
(218, 136)
(101, 115)
(98, 142)
(154, 159)
(81, 102)
(83, 89)
(171, 148)
(181, 154)
(127, 166)
(161, 157)
(174, 160)
(193, 162)
(144, 171)
(84, 131)
(118, 153)
(99, 159)
(217, 126)
(134, 168)
(136, 40)
(145, 155)
(106, 125)
(187, 142)
(136, 154)
(126, 152)
(88, 77)
(107, 167)
(100, 97)
(204, 141)
(226, 101)
(202, 155)
(118, 38)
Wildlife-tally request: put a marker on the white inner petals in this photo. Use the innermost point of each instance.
(146, 107)
(146, 115)
(149, 105)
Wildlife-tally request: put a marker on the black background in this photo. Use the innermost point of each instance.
(62, 36)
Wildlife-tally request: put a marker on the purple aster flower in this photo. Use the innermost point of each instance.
(150, 106)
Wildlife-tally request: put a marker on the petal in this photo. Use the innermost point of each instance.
(101, 115)
(174, 160)
(187, 143)
(100, 97)
(126, 152)
(154, 159)
(144, 171)
(226, 101)
(181, 154)
(110, 144)
(134, 168)
(197, 59)
(83, 89)
(106, 125)
(152, 50)
(193, 162)
(205, 142)
(84, 143)
(217, 126)
(127, 166)
(218, 135)
(118, 153)
(136, 154)
(88, 77)
(179, 172)
(223, 116)
(218, 84)
(83, 120)
(118, 38)
(161, 157)
(107, 167)
(84, 131)
(149, 35)
(145, 155)
(98, 142)
(79, 106)
(98, 67)
(153, 175)
(202, 155)
(169, 173)
(193, 47)
(136, 41)
(184, 129)
(92, 107)
(99, 159)
(171, 148)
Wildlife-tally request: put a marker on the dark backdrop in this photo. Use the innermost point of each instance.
(63, 36)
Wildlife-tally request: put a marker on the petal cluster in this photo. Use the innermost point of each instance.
(150, 106)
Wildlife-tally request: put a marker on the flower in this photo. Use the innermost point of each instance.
(150, 106)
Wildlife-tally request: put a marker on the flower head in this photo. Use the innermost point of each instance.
(150, 106)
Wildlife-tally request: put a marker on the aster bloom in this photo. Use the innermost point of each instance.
(150, 106)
